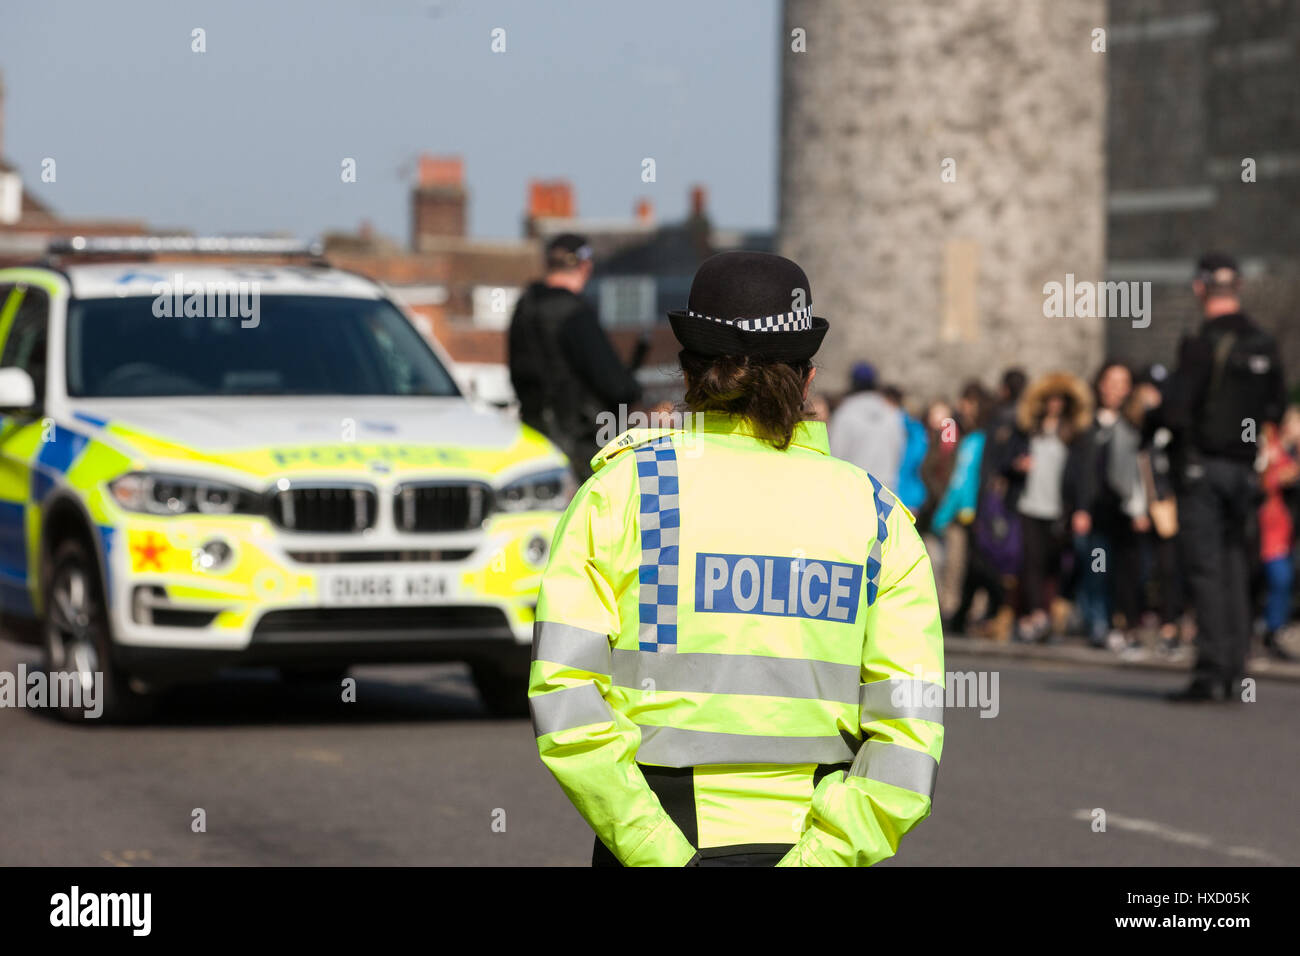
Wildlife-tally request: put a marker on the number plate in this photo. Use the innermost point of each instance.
(411, 587)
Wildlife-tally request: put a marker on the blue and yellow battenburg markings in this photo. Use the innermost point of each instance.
(53, 458)
(59, 454)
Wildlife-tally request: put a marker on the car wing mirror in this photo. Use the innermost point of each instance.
(17, 390)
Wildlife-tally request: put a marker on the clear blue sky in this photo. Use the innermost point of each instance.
(249, 136)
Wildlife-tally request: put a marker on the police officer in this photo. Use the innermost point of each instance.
(738, 657)
(562, 366)
(1228, 383)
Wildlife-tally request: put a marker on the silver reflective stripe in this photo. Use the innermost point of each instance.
(736, 674)
(901, 699)
(674, 747)
(900, 766)
(571, 646)
(568, 708)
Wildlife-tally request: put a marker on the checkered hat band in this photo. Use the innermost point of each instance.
(800, 320)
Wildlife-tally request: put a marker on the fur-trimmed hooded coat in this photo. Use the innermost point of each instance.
(998, 473)
(1077, 415)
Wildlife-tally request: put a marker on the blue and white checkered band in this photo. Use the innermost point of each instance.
(660, 519)
(883, 508)
(800, 320)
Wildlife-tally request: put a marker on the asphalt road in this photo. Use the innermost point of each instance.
(414, 773)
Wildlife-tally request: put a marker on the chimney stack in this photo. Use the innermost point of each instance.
(439, 200)
(11, 184)
(699, 199)
(548, 199)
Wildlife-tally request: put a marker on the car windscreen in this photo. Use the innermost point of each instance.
(292, 345)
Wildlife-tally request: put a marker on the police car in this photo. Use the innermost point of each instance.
(204, 466)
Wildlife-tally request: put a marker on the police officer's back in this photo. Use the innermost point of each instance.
(1228, 383)
(738, 655)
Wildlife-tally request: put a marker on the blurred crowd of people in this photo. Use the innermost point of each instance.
(1050, 506)
(1145, 509)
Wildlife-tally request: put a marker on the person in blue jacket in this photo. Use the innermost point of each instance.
(961, 501)
(911, 489)
(963, 487)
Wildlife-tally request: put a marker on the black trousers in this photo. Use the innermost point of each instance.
(980, 574)
(1124, 570)
(675, 788)
(1044, 545)
(600, 856)
(1216, 505)
(1169, 578)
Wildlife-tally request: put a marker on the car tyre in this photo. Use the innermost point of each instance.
(76, 637)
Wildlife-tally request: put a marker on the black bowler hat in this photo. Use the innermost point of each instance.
(750, 303)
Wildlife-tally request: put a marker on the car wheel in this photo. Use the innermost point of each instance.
(76, 640)
(503, 684)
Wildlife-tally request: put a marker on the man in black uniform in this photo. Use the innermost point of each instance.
(562, 366)
(1229, 382)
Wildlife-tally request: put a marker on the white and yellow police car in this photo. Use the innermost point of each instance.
(205, 466)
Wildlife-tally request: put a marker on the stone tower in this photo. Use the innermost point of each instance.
(934, 281)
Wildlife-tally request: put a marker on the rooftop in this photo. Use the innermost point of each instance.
(102, 280)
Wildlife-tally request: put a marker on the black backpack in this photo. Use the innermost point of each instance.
(1242, 386)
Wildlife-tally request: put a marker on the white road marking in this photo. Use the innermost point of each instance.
(1183, 837)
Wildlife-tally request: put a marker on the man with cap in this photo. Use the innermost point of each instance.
(868, 429)
(562, 366)
(1228, 383)
(738, 657)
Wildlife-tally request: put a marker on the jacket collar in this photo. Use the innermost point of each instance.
(807, 434)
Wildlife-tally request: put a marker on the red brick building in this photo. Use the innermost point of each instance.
(466, 288)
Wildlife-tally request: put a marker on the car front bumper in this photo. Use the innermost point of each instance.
(238, 588)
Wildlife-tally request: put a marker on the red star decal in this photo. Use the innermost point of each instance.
(148, 553)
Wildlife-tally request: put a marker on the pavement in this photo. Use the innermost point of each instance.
(1078, 651)
(414, 772)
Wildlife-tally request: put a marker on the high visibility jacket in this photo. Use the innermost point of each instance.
(738, 650)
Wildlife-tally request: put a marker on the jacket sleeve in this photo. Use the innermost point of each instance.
(1004, 444)
(1277, 399)
(1078, 479)
(588, 745)
(858, 818)
(590, 355)
(1185, 392)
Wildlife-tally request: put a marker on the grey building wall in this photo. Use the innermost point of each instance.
(933, 281)
(1195, 88)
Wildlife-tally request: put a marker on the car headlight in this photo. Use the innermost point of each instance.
(178, 495)
(543, 491)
